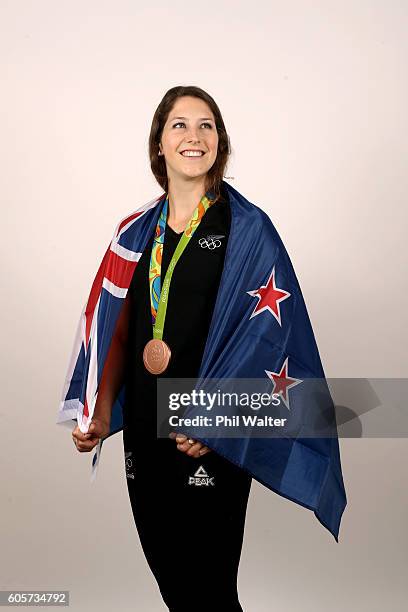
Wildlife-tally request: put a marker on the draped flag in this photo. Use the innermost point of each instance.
(259, 328)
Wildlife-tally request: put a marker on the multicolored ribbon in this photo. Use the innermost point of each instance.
(159, 298)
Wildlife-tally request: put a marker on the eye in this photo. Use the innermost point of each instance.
(182, 123)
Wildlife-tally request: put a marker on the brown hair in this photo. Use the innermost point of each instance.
(157, 163)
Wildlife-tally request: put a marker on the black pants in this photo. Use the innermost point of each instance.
(190, 517)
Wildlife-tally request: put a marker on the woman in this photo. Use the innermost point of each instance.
(159, 307)
(189, 503)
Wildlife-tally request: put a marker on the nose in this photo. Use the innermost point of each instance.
(192, 135)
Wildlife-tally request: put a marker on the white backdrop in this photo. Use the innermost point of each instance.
(314, 97)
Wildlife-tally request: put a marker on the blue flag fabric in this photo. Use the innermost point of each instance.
(260, 328)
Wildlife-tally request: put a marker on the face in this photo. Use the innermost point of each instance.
(190, 125)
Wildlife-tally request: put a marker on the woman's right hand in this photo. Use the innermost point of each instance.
(99, 428)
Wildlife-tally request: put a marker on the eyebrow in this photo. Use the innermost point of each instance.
(201, 118)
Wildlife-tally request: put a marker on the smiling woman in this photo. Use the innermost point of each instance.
(189, 149)
(197, 284)
(201, 488)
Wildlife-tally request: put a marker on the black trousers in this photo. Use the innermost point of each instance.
(190, 517)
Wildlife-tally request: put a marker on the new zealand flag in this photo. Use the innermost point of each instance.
(260, 329)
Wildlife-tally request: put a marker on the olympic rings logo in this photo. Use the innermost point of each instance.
(210, 242)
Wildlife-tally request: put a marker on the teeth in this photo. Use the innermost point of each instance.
(192, 153)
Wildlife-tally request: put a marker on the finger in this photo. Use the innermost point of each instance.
(78, 437)
(194, 449)
(87, 443)
(204, 450)
(177, 436)
(180, 438)
(184, 446)
(190, 449)
(79, 434)
(86, 446)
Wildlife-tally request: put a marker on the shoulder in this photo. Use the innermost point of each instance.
(258, 226)
(247, 211)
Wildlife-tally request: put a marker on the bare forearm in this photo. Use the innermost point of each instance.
(112, 379)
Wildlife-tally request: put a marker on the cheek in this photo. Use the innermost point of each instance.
(214, 144)
(171, 140)
(172, 145)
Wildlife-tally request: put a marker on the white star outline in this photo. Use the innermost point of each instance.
(295, 382)
(254, 293)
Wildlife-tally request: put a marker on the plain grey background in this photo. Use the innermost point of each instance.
(314, 97)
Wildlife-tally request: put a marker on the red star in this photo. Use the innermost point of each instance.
(282, 382)
(269, 296)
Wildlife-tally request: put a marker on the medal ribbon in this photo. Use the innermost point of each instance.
(158, 297)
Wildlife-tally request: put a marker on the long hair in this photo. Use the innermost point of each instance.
(157, 163)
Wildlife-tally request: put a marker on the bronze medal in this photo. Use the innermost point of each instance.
(157, 353)
(156, 356)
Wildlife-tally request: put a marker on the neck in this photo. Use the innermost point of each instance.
(183, 199)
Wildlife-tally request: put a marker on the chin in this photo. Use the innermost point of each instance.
(196, 174)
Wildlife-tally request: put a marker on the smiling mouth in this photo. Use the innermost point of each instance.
(193, 156)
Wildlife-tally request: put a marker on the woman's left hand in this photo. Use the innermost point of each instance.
(189, 446)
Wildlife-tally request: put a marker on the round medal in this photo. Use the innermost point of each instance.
(156, 356)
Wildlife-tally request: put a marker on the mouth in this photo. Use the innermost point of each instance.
(193, 155)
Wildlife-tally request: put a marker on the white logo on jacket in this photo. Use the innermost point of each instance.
(201, 478)
(212, 241)
(129, 465)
